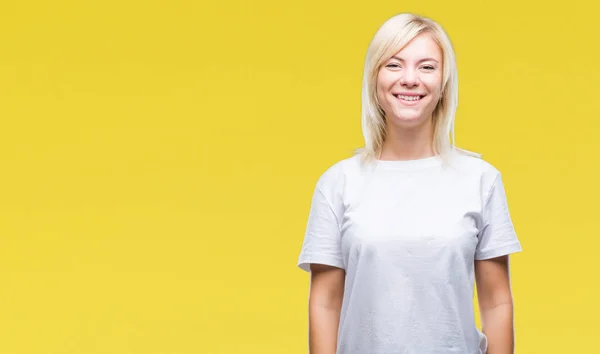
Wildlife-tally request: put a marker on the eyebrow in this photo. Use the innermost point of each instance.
(424, 59)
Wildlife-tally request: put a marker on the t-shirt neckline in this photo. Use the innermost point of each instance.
(410, 165)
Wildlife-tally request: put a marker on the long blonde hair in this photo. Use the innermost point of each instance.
(391, 37)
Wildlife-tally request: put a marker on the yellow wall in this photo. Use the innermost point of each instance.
(158, 159)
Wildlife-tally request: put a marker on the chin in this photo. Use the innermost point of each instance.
(408, 117)
(408, 120)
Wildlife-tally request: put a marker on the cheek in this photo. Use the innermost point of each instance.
(384, 83)
(380, 92)
(434, 85)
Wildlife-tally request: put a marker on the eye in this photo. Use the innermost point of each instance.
(392, 65)
(428, 67)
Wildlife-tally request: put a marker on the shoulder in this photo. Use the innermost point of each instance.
(334, 176)
(476, 167)
(477, 164)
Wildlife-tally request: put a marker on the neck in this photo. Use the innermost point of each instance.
(408, 143)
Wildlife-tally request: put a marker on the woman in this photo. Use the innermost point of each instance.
(398, 233)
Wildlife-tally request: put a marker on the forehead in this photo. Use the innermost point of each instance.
(422, 46)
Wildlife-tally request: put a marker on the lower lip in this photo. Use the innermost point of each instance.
(409, 103)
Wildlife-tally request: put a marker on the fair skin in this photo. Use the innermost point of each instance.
(408, 89)
(492, 277)
(415, 72)
(324, 307)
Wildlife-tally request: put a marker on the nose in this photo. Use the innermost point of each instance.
(409, 78)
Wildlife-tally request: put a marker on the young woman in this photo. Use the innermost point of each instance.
(398, 234)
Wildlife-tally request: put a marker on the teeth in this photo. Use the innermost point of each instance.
(409, 98)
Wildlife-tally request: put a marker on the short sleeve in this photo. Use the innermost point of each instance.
(497, 236)
(322, 237)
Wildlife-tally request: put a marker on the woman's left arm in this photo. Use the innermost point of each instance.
(495, 304)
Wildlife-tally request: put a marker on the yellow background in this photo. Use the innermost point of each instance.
(158, 159)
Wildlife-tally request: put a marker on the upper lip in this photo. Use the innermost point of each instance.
(407, 94)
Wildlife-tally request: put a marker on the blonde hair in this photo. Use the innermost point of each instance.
(391, 37)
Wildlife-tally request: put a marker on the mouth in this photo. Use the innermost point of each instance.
(408, 98)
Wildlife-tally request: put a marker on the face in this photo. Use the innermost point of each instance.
(409, 83)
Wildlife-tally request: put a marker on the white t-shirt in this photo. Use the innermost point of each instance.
(407, 234)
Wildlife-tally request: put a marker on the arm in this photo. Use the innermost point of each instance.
(325, 303)
(495, 304)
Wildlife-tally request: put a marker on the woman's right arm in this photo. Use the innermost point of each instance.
(324, 307)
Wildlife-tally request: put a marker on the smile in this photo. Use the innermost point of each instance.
(411, 98)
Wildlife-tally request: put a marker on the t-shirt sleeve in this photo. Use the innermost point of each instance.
(497, 236)
(322, 237)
